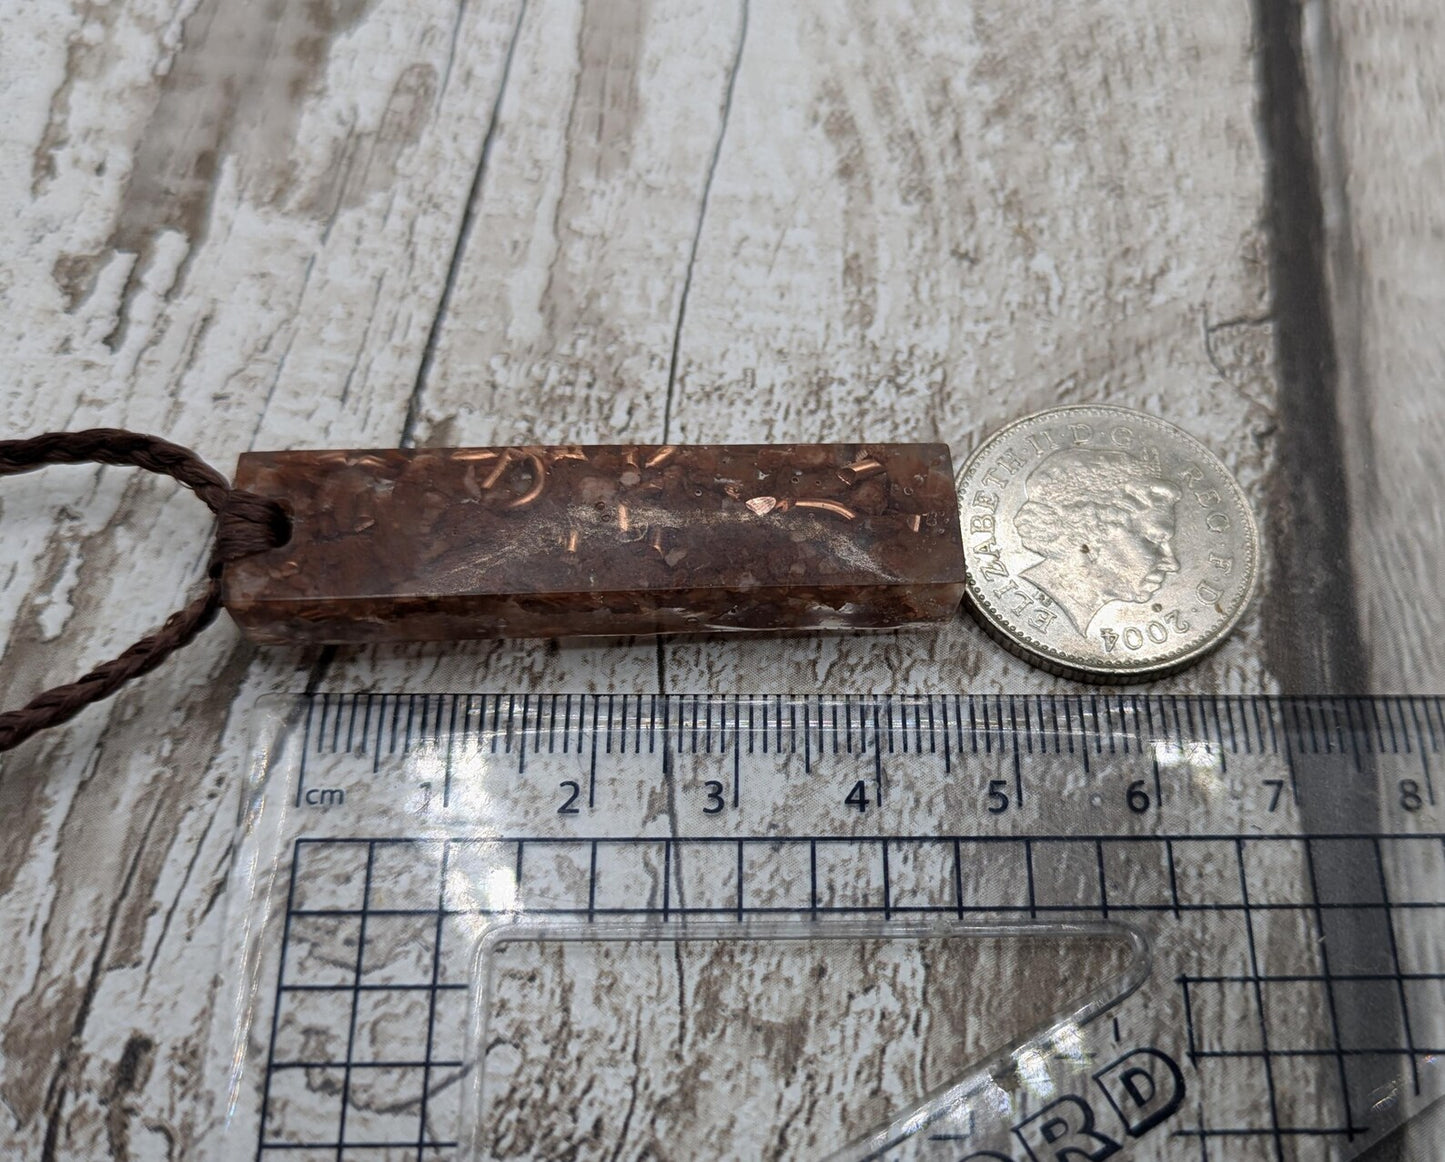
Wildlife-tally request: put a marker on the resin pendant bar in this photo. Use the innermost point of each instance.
(448, 543)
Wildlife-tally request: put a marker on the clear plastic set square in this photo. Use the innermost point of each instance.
(1032, 928)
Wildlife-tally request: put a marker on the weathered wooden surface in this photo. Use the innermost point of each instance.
(373, 222)
(895, 1012)
(1379, 85)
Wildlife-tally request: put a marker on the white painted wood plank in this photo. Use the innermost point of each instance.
(1379, 73)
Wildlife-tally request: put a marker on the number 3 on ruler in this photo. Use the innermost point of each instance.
(715, 801)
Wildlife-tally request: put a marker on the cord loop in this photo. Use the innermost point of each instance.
(246, 524)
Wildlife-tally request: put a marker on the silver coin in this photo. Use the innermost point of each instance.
(1103, 544)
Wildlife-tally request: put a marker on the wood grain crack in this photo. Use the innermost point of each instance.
(130, 1075)
(459, 250)
(727, 105)
(1314, 581)
(676, 351)
(1212, 329)
(199, 847)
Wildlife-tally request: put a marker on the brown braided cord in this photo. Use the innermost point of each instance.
(247, 524)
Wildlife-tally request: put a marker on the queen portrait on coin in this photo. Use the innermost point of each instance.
(1102, 523)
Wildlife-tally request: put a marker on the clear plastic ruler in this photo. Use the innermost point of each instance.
(1041, 929)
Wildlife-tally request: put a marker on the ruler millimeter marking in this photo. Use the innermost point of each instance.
(388, 724)
(1181, 752)
(1182, 816)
